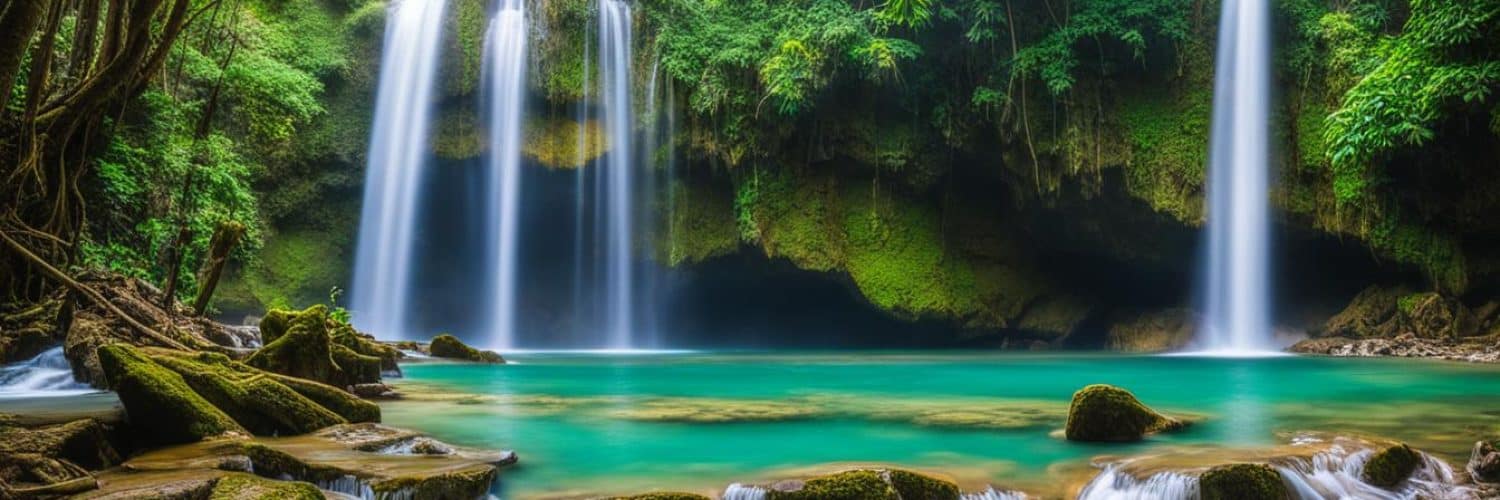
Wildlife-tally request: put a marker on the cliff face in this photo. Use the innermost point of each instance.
(1012, 170)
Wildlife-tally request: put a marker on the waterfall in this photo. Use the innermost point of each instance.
(618, 165)
(1237, 309)
(47, 374)
(398, 146)
(505, 70)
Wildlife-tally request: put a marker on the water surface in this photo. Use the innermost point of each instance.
(588, 424)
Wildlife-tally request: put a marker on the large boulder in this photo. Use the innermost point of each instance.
(1431, 315)
(1386, 312)
(85, 336)
(1242, 482)
(84, 442)
(241, 486)
(448, 346)
(1391, 466)
(1372, 313)
(1107, 413)
(159, 402)
(310, 345)
(259, 403)
(1484, 462)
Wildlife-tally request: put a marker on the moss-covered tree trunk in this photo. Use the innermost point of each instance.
(226, 236)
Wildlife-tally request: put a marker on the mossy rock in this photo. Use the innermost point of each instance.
(308, 344)
(339, 401)
(1242, 482)
(554, 142)
(849, 485)
(85, 442)
(259, 402)
(1103, 412)
(667, 495)
(159, 402)
(23, 344)
(448, 346)
(914, 486)
(250, 487)
(468, 482)
(1391, 466)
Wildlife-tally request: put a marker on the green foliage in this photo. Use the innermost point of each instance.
(1054, 57)
(909, 13)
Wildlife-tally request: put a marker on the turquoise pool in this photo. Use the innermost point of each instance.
(591, 424)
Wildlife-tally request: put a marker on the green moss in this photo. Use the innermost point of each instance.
(701, 223)
(560, 69)
(669, 495)
(1390, 466)
(469, 482)
(1242, 482)
(554, 143)
(850, 485)
(448, 346)
(158, 401)
(255, 400)
(462, 63)
(312, 348)
(1167, 131)
(251, 487)
(456, 135)
(346, 405)
(1107, 413)
(1437, 254)
(913, 486)
(294, 269)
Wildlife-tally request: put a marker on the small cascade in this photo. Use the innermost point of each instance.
(1237, 295)
(1332, 473)
(398, 149)
(47, 374)
(618, 169)
(505, 70)
(739, 491)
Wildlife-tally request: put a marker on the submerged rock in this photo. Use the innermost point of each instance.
(448, 346)
(1107, 413)
(242, 486)
(1242, 482)
(1484, 462)
(1391, 466)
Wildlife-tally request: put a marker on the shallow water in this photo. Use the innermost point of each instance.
(607, 424)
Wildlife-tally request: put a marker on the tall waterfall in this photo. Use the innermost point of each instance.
(1237, 301)
(619, 166)
(505, 70)
(398, 147)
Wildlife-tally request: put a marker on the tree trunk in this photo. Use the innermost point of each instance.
(226, 236)
(17, 26)
(173, 263)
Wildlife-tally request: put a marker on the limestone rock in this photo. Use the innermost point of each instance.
(242, 486)
(1107, 413)
(863, 484)
(1155, 331)
(1484, 462)
(1242, 482)
(1372, 313)
(84, 442)
(448, 346)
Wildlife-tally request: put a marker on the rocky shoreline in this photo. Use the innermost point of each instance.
(1402, 346)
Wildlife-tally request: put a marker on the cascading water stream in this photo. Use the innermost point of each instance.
(1237, 295)
(398, 147)
(505, 70)
(619, 164)
(47, 374)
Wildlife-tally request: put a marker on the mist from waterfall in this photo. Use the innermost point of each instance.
(505, 72)
(1237, 294)
(618, 168)
(398, 150)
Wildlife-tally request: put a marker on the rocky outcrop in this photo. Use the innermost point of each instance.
(27, 332)
(448, 346)
(250, 487)
(51, 460)
(1242, 482)
(1391, 466)
(1384, 312)
(309, 344)
(1155, 331)
(1107, 413)
(1474, 350)
(183, 397)
(1484, 462)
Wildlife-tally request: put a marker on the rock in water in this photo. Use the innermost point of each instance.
(1242, 482)
(1484, 462)
(248, 487)
(158, 401)
(308, 344)
(866, 484)
(448, 346)
(1103, 412)
(1391, 466)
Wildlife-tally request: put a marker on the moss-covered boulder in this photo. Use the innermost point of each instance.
(241, 486)
(1242, 482)
(448, 346)
(256, 401)
(159, 402)
(866, 484)
(84, 442)
(308, 344)
(1103, 412)
(1372, 313)
(1391, 466)
(666, 495)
